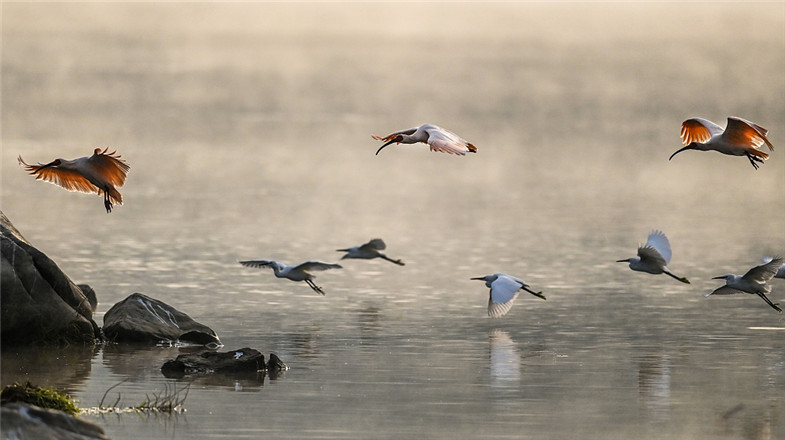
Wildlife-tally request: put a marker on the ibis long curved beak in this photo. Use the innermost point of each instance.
(679, 151)
(380, 148)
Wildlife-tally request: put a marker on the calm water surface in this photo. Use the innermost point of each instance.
(247, 130)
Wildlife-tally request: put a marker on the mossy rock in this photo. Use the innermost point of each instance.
(42, 397)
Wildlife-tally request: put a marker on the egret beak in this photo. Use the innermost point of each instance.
(479, 278)
(718, 278)
(679, 151)
(342, 250)
(380, 148)
(623, 261)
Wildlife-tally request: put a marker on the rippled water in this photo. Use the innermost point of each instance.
(247, 130)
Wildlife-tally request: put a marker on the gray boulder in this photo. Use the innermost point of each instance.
(39, 302)
(140, 318)
(23, 421)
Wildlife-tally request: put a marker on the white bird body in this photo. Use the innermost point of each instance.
(300, 272)
(755, 282)
(504, 290)
(654, 256)
(780, 272)
(369, 251)
(739, 138)
(100, 173)
(437, 138)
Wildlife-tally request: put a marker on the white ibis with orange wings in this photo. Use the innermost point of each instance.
(100, 173)
(755, 282)
(437, 138)
(739, 138)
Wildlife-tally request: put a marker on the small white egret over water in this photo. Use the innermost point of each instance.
(654, 256)
(504, 290)
(301, 272)
(780, 272)
(437, 138)
(368, 251)
(99, 173)
(755, 281)
(739, 138)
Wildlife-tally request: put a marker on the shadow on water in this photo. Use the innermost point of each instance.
(65, 368)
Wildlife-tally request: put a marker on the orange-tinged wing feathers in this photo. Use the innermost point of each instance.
(693, 130)
(743, 132)
(70, 180)
(110, 166)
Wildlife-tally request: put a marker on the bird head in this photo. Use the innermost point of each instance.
(396, 139)
(54, 163)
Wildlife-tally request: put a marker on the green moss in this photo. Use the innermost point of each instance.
(39, 396)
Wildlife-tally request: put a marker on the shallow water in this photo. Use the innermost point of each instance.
(247, 130)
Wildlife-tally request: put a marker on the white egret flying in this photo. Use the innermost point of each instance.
(437, 138)
(504, 290)
(99, 173)
(739, 138)
(654, 256)
(368, 251)
(300, 272)
(755, 281)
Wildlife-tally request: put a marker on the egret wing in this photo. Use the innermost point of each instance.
(110, 166)
(496, 310)
(743, 132)
(651, 254)
(698, 130)
(66, 179)
(725, 290)
(316, 265)
(259, 264)
(660, 243)
(763, 273)
(375, 244)
(504, 289)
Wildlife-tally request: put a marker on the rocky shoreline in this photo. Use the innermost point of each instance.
(41, 305)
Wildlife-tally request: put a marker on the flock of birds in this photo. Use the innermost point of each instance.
(103, 172)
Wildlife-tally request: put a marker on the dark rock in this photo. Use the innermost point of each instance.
(89, 293)
(275, 366)
(39, 302)
(140, 318)
(244, 360)
(23, 421)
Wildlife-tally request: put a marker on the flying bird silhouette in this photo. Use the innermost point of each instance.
(504, 290)
(755, 282)
(300, 272)
(368, 251)
(100, 173)
(654, 256)
(437, 138)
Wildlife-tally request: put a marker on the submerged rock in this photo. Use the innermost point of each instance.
(23, 421)
(244, 360)
(275, 366)
(39, 302)
(140, 318)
